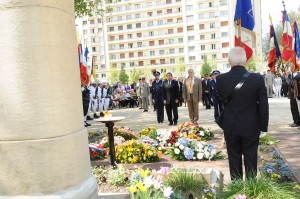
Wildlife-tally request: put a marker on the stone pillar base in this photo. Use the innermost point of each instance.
(86, 190)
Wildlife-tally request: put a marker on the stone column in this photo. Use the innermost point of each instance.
(43, 145)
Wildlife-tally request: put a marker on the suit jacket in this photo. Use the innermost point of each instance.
(205, 86)
(170, 93)
(248, 112)
(145, 89)
(197, 89)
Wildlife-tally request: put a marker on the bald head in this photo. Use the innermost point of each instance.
(237, 56)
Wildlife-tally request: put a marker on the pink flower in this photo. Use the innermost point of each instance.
(240, 197)
(164, 170)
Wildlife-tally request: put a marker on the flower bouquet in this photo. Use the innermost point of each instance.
(133, 151)
(149, 132)
(125, 132)
(97, 151)
(194, 131)
(191, 149)
(145, 184)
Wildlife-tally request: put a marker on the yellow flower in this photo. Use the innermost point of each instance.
(150, 153)
(141, 187)
(132, 189)
(296, 187)
(144, 173)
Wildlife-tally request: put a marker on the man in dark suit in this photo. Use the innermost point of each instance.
(246, 115)
(157, 89)
(205, 89)
(171, 98)
(213, 93)
(133, 86)
(180, 91)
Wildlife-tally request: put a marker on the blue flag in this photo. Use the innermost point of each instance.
(86, 52)
(278, 53)
(296, 48)
(244, 11)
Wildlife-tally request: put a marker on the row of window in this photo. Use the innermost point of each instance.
(149, 4)
(141, 16)
(207, 5)
(92, 21)
(92, 31)
(144, 54)
(149, 24)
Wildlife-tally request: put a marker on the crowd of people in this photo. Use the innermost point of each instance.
(240, 100)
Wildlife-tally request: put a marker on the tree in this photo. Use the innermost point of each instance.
(253, 64)
(89, 8)
(113, 74)
(206, 68)
(123, 77)
(134, 75)
(180, 69)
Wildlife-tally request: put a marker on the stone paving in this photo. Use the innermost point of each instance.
(280, 117)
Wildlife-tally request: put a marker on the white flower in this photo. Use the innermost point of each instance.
(181, 147)
(177, 144)
(169, 144)
(167, 191)
(201, 133)
(194, 158)
(200, 156)
(157, 184)
(176, 151)
(206, 154)
(159, 148)
(148, 181)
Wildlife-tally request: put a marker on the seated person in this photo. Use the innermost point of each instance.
(115, 97)
(123, 99)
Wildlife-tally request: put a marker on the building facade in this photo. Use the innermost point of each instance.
(166, 35)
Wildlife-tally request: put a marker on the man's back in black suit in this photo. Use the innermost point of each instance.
(245, 116)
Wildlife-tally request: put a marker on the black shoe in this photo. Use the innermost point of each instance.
(140, 108)
(293, 125)
(145, 110)
(101, 114)
(89, 118)
(87, 124)
(96, 116)
(175, 123)
(170, 124)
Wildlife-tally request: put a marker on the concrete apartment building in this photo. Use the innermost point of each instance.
(164, 34)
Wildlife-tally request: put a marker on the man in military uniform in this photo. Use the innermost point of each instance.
(138, 93)
(213, 93)
(157, 97)
(269, 81)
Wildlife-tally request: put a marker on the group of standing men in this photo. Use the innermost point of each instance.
(95, 98)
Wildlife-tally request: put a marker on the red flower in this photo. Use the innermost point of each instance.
(95, 154)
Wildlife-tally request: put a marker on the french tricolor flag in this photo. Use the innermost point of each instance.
(296, 55)
(83, 65)
(287, 38)
(244, 25)
(274, 52)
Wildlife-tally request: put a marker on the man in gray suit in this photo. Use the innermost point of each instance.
(138, 93)
(269, 81)
(192, 94)
(145, 92)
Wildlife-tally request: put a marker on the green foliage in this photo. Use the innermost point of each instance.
(179, 69)
(123, 77)
(89, 8)
(267, 140)
(186, 182)
(113, 74)
(260, 188)
(206, 68)
(253, 63)
(117, 177)
(134, 75)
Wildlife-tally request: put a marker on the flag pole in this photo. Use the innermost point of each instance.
(239, 21)
(282, 66)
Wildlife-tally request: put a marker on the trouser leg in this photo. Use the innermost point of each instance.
(234, 150)
(175, 113)
(295, 111)
(169, 112)
(249, 150)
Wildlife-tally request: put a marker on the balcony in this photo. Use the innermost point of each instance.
(145, 17)
(146, 37)
(144, 47)
(147, 28)
(146, 56)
